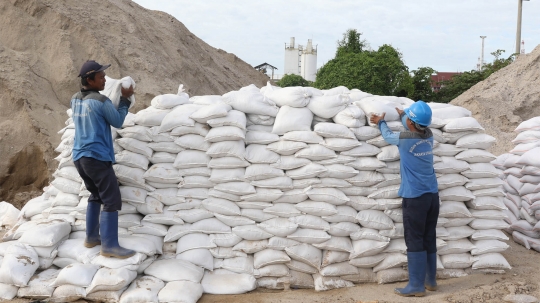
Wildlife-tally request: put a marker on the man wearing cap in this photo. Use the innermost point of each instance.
(93, 155)
(419, 191)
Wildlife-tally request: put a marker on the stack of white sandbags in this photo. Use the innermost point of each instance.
(472, 210)
(521, 184)
(272, 187)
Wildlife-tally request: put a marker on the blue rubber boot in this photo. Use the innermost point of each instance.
(92, 225)
(417, 274)
(431, 272)
(109, 237)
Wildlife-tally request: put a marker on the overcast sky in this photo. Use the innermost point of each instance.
(441, 34)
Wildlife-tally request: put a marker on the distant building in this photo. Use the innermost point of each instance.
(437, 78)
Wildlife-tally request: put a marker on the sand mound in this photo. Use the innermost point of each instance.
(505, 99)
(44, 42)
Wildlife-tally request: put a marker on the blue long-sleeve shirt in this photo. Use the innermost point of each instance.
(416, 165)
(93, 116)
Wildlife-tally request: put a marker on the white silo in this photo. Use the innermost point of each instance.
(292, 59)
(309, 62)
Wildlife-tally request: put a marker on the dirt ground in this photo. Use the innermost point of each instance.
(523, 278)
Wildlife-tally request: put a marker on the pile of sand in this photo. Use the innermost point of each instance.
(505, 99)
(43, 43)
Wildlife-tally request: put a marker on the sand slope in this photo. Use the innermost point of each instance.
(43, 43)
(505, 99)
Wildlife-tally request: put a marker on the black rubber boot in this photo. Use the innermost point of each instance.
(109, 237)
(417, 274)
(92, 225)
(431, 272)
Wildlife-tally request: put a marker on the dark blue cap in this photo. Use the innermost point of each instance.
(89, 67)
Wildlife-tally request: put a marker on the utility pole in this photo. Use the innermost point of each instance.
(482, 55)
(518, 32)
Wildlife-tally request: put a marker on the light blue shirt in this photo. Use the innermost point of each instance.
(93, 116)
(416, 165)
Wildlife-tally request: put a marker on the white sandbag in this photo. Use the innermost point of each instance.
(8, 214)
(317, 208)
(374, 219)
(343, 229)
(8, 292)
(480, 141)
(174, 270)
(66, 185)
(279, 243)
(268, 257)
(531, 124)
(365, 133)
(530, 158)
(492, 261)
(450, 112)
(457, 261)
(19, 265)
(310, 222)
(463, 124)
(77, 274)
(301, 122)
(280, 227)
(457, 193)
(143, 289)
(68, 293)
(210, 112)
(306, 253)
(251, 232)
(167, 101)
(250, 246)
(366, 248)
(260, 120)
(259, 137)
(179, 116)
(224, 282)
(180, 292)
(199, 256)
(233, 118)
(289, 96)
(286, 148)
(256, 153)
(251, 103)
(39, 286)
(113, 89)
(367, 262)
(329, 195)
(316, 152)
(328, 106)
(47, 233)
(311, 236)
(379, 105)
(328, 283)
(225, 133)
(449, 165)
(331, 130)
(352, 116)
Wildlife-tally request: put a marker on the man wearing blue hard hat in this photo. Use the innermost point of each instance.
(419, 191)
(93, 156)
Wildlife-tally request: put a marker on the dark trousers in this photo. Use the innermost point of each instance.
(420, 221)
(101, 182)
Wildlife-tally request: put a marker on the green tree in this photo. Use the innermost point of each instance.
(351, 43)
(421, 80)
(293, 80)
(460, 83)
(380, 72)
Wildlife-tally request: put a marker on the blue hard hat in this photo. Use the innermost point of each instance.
(419, 113)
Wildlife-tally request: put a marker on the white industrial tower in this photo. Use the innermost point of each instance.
(482, 55)
(292, 58)
(300, 61)
(308, 62)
